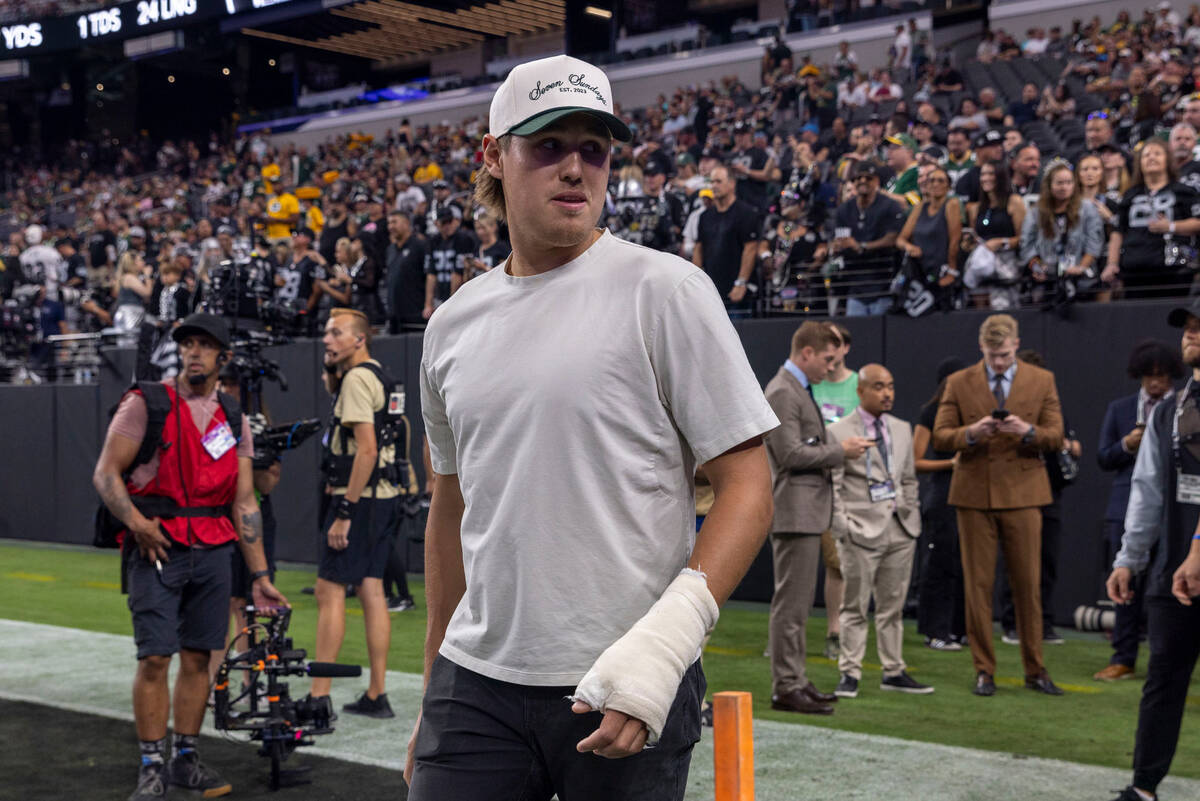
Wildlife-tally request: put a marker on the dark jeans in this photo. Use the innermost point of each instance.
(941, 611)
(487, 740)
(1051, 534)
(396, 573)
(1174, 647)
(1130, 617)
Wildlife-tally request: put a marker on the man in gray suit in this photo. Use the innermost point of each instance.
(801, 458)
(876, 522)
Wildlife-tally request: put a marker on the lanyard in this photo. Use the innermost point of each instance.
(1175, 427)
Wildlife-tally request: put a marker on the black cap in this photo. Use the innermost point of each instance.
(308, 232)
(440, 184)
(202, 323)
(935, 152)
(225, 229)
(1178, 317)
(989, 138)
(864, 167)
(654, 167)
(449, 213)
(1108, 147)
(743, 127)
(362, 197)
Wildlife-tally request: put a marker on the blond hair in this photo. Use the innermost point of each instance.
(129, 263)
(996, 329)
(489, 190)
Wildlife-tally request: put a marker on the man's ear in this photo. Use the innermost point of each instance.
(491, 157)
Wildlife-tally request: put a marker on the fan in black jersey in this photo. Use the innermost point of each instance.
(448, 252)
(1156, 213)
(492, 250)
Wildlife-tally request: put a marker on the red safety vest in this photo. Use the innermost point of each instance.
(191, 479)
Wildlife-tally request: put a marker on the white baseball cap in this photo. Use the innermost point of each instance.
(33, 234)
(537, 93)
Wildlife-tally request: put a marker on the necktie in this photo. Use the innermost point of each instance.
(811, 395)
(879, 443)
(998, 391)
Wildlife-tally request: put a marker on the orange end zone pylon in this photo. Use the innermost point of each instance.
(733, 746)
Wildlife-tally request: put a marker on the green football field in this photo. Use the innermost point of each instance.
(1092, 724)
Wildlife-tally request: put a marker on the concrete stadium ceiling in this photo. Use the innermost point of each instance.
(387, 31)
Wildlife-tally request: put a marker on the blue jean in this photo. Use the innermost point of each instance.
(865, 308)
(482, 739)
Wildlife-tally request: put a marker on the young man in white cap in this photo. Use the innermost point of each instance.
(568, 396)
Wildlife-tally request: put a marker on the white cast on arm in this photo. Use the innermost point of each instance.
(639, 674)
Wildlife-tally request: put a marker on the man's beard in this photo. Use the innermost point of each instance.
(197, 380)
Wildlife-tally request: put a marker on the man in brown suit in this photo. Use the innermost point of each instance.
(1001, 415)
(802, 457)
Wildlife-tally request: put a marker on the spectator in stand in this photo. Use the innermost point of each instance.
(932, 233)
(988, 50)
(409, 199)
(1117, 179)
(903, 188)
(339, 224)
(1097, 131)
(1183, 148)
(1035, 45)
(42, 264)
(133, 290)
(492, 249)
(988, 150)
(1026, 109)
(845, 63)
(1061, 237)
(727, 242)
(406, 255)
(752, 165)
(101, 243)
(1090, 172)
(969, 116)
(1155, 208)
(990, 107)
(901, 51)
(1057, 103)
(995, 222)
(865, 231)
(1026, 166)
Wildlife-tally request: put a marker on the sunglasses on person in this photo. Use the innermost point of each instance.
(1098, 115)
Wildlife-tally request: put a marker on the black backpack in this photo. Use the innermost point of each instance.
(158, 405)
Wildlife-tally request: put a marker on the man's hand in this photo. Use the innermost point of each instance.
(339, 535)
(409, 762)
(1133, 440)
(913, 251)
(1118, 585)
(982, 428)
(736, 294)
(1159, 225)
(1185, 584)
(1109, 273)
(1012, 425)
(266, 596)
(150, 540)
(855, 447)
(427, 312)
(618, 735)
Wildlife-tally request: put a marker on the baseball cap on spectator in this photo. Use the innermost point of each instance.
(903, 140)
(137, 232)
(875, 119)
(202, 323)
(449, 213)
(989, 138)
(711, 153)
(306, 232)
(361, 197)
(538, 93)
(1108, 147)
(225, 229)
(684, 159)
(743, 127)
(935, 152)
(706, 193)
(810, 126)
(864, 167)
(33, 234)
(809, 69)
(403, 178)
(308, 193)
(1178, 317)
(440, 183)
(654, 167)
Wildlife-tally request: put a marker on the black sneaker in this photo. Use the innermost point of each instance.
(1010, 637)
(400, 604)
(1052, 637)
(152, 783)
(904, 683)
(372, 708)
(847, 687)
(1128, 794)
(188, 772)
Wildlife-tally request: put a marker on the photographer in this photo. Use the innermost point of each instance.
(362, 521)
(177, 505)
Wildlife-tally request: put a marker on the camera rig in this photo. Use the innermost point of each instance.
(276, 720)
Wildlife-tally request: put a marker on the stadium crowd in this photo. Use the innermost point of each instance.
(837, 188)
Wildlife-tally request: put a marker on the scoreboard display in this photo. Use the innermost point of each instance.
(121, 21)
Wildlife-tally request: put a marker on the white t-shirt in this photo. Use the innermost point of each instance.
(574, 406)
(903, 47)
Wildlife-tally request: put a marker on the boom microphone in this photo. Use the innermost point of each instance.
(332, 670)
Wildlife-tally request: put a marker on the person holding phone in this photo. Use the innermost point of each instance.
(1001, 415)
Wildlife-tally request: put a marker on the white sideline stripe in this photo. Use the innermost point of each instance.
(90, 672)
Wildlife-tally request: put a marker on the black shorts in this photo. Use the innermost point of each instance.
(241, 573)
(187, 606)
(372, 535)
(483, 739)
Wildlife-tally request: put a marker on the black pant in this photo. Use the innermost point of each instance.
(1130, 617)
(396, 573)
(941, 611)
(482, 739)
(1174, 647)
(1051, 534)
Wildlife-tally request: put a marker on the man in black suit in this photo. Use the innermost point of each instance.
(1156, 366)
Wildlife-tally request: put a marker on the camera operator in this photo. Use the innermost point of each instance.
(363, 518)
(176, 505)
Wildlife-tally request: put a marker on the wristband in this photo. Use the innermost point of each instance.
(1196, 536)
(257, 574)
(344, 509)
(1171, 228)
(740, 282)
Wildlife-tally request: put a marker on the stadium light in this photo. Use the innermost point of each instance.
(224, 70)
(602, 13)
(99, 87)
(271, 62)
(170, 79)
